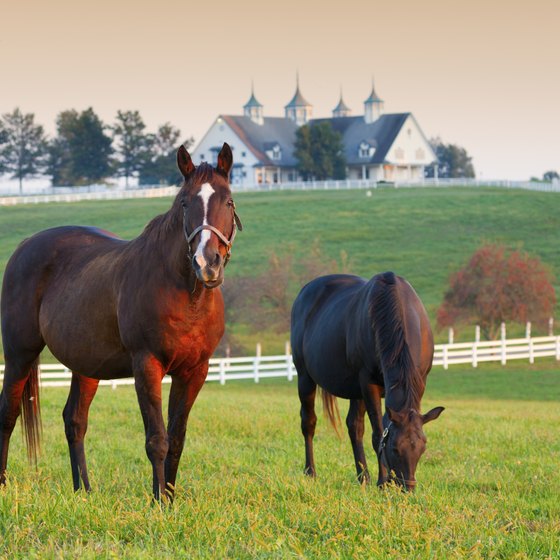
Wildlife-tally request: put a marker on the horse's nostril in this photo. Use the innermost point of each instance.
(217, 259)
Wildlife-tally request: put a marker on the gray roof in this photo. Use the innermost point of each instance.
(379, 134)
(373, 97)
(298, 100)
(252, 102)
(354, 130)
(341, 106)
(262, 137)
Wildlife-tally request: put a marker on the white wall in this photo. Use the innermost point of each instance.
(410, 146)
(219, 133)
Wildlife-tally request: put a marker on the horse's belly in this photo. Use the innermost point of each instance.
(83, 334)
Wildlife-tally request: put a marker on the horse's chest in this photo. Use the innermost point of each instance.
(188, 342)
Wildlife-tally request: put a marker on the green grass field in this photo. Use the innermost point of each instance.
(488, 482)
(423, 234)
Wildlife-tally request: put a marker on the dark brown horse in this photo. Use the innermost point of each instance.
(364, 340)
(109, 308)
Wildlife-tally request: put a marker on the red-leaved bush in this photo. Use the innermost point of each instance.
(498, 285)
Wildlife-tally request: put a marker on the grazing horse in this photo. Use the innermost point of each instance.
(364, 340)
(109, 308)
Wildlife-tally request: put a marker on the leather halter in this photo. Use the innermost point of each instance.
(382, 445)
(227, 242)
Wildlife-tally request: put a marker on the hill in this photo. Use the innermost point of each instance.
(423, 234)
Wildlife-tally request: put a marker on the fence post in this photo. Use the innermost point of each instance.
(503, 336)
(551, 327)
(477, 333)
(558, 348)
(445, 362)
(223, 371)
(451, 335)
(289, 363)
(528, 330)
(531, 351)
(256, 362)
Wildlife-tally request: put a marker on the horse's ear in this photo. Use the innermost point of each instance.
(396, 417)
(225, 160)
(184, 161)
(433, 414)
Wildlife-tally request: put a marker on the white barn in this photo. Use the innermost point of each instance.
(378, 146)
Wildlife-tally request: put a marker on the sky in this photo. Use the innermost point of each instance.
(483, 74)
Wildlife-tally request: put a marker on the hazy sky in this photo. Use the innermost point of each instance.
(481, 73)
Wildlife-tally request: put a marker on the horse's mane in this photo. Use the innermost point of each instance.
(392, 347)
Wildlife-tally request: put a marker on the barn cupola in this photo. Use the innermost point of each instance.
(341, 110)
(298, 109)
(373, 106)
(253, 109)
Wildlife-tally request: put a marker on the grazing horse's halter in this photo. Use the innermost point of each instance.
(227, 242)
(382, 445)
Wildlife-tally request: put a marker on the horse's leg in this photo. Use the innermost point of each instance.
(372, 399)
(355, 424)
(15, 377)
(184, 390)
(148, 373)
(75, 414)
(307, 389)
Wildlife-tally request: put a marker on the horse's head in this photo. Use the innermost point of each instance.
(209, 218)
(403, 443)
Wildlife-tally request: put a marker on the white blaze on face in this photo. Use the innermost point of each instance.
(206, 191)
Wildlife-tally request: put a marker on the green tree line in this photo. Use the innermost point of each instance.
(86, 151)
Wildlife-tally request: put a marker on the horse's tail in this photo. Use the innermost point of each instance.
(31, 414)
(330, 408)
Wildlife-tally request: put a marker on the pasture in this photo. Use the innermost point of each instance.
(488, 482)
(423, 234)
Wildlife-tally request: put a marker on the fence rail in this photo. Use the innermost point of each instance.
(261, 367)
(76, 194)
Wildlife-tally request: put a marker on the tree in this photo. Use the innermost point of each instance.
(320, 152)
(23, 146)
(133, 145)
(161, 165)
(550, 176)
(495, 286)
(81, 152)
(453, 161)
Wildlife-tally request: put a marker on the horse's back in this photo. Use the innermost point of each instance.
(319, 329)
(49, 282)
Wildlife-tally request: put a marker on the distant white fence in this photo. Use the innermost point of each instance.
(76, 194)
(262, 367)
(497, 351)
(79, 196)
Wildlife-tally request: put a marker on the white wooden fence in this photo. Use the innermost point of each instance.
(261, 367)
(497, 351)
(75, 194)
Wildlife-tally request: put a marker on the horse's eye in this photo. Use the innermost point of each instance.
(230, 203)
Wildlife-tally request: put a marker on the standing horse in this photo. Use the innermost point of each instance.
(109, 308)
(364, 340)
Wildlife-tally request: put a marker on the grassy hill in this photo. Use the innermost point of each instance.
(423, 234)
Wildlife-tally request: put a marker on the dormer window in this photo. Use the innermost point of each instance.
(365, 150)
(273, 151)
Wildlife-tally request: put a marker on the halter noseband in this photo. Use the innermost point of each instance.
(382, 445)
(227, 242)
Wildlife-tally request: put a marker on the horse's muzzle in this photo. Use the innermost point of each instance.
(210, 276)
